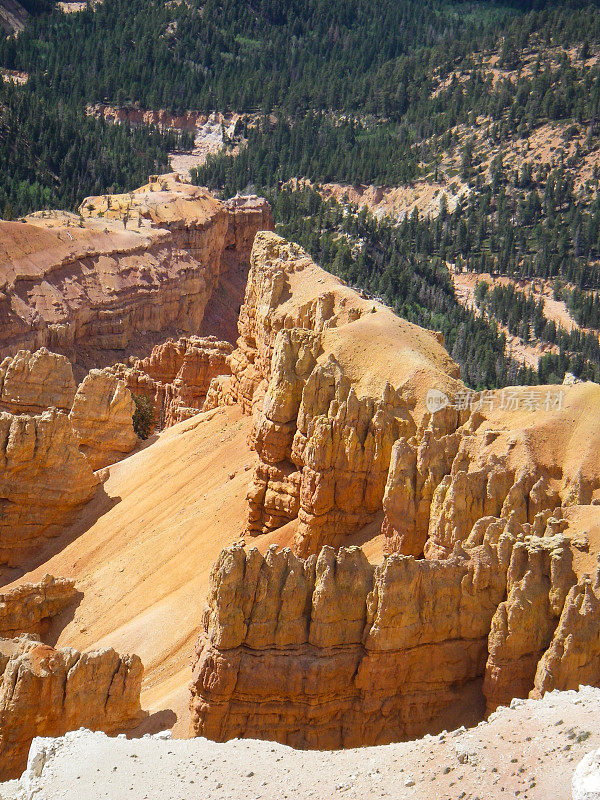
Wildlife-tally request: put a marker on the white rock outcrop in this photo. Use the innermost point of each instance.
(586, 780)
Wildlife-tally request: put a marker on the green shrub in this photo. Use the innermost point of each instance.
(143, 418)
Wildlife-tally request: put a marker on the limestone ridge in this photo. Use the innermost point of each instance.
(333, 652)
(475, 503)
(129, 266)
(324, 443)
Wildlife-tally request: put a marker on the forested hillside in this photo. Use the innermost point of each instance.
(490, 110)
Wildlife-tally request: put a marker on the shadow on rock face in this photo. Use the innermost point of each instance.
(154, 723)
(53, 626)
(99, 505)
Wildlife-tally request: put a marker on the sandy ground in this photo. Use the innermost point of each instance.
(556, 310)
(13, 76)
(208, 141)
(529, 751)
(393, 201)
(72, 6)
(141, 552)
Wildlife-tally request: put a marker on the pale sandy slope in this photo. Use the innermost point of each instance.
(529, 752)
(143, 564)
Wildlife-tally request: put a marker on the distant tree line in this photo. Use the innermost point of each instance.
(52, 155)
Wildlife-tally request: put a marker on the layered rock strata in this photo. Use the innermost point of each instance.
(176, 376)
(343, 445)
(248, 214)
(48, 459)
(102, 417)
(47, 692)
(128, 267)
(44, 479)
(463, 472)
(332, 652)
(337, 386)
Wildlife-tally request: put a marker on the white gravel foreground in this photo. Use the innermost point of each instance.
(529, 751)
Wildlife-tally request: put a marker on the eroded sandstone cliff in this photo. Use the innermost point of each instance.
(44, 479)
(326, 416)
(332, 652)
(473, 498)
(573, 657)
(102, 418)
(46, 692)
(480, 595)
(33, 382)
(176, 376)
(124, 273)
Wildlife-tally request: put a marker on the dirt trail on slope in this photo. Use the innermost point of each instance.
(142, 551)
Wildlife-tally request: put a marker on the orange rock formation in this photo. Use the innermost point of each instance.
(44, 479)
(343, 441)
(176, 376)
(33, 382)
(486, 509)
(129, 268)
(46, 692)
(30, 607)
(326, 415)
(102, 417)
(333, 652)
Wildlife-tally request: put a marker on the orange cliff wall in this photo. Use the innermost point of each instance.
(125, 273)
(332, 652)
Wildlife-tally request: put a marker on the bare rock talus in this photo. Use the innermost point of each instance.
(44, 479)
(102, 417)
(33, 382)
(46, 692)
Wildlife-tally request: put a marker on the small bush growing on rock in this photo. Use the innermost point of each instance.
(143, 417)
